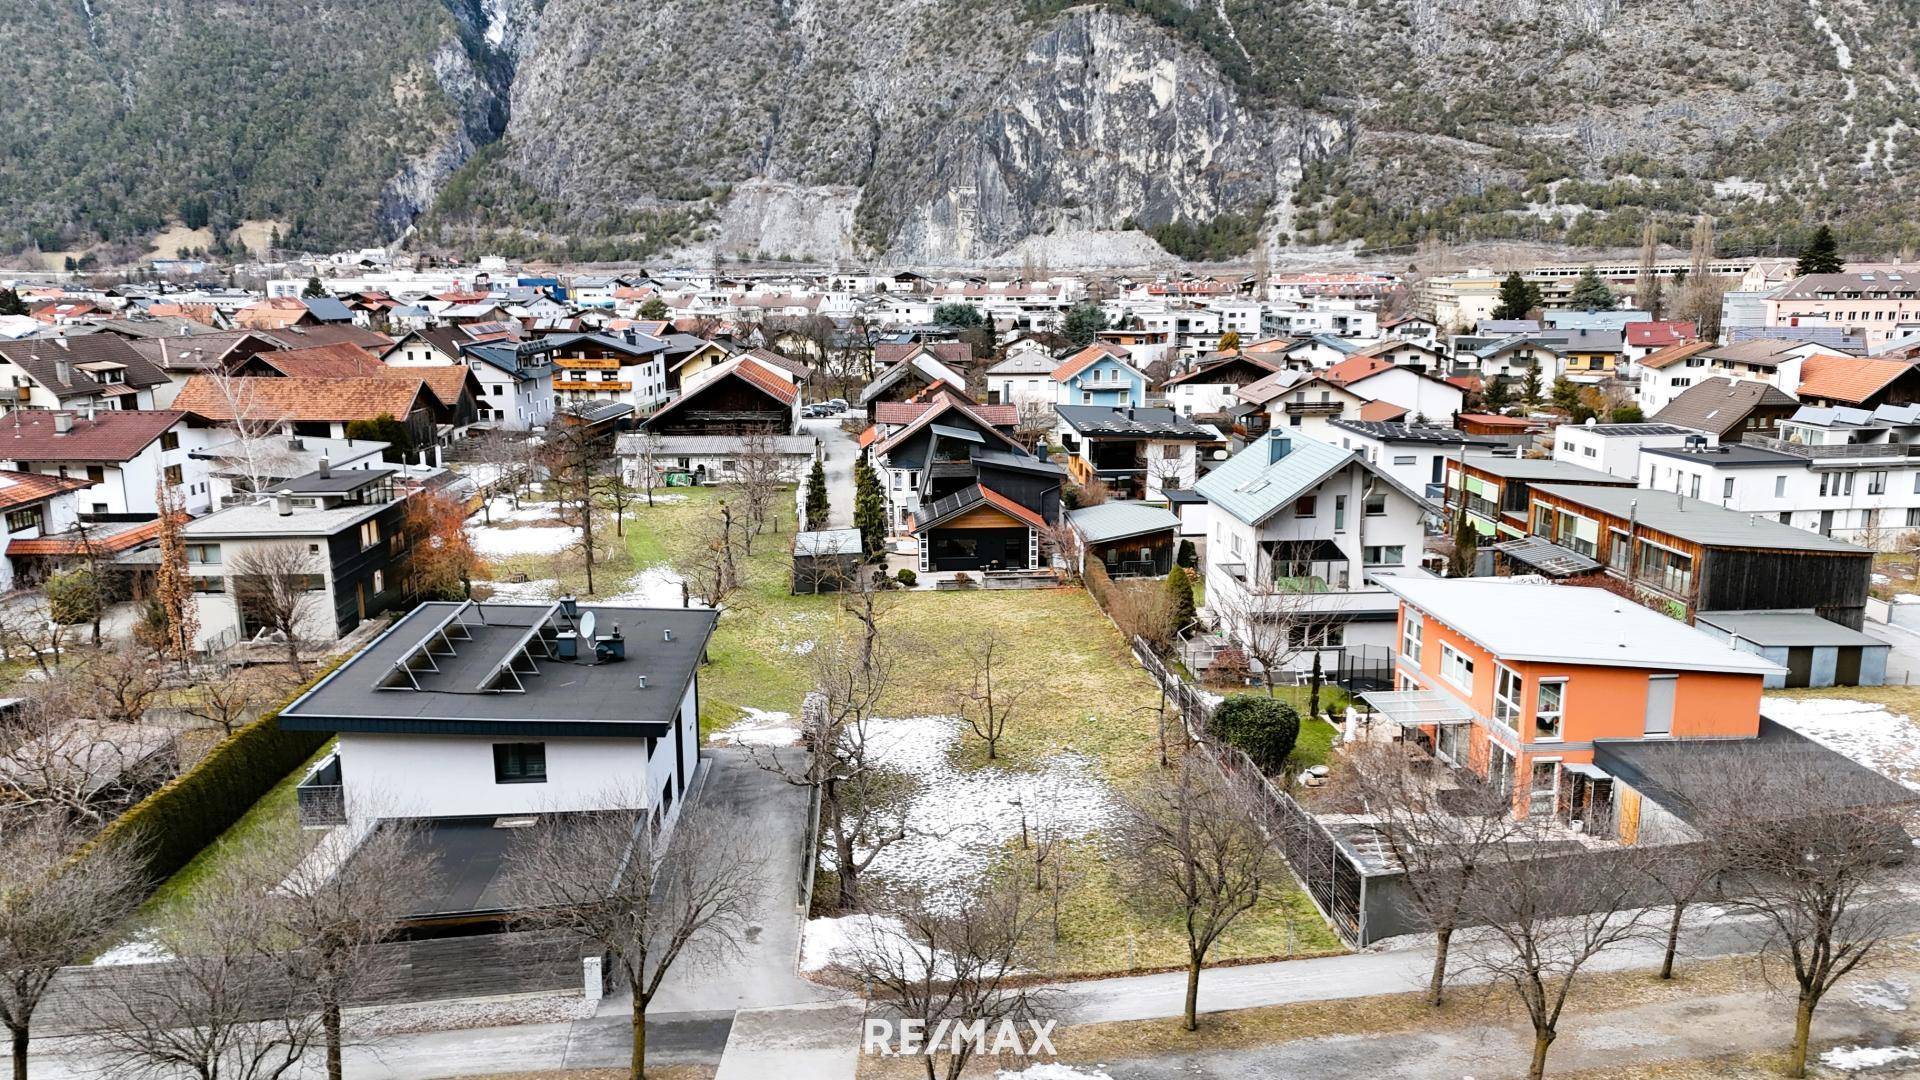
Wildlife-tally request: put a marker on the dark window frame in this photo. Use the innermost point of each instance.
(514, 764)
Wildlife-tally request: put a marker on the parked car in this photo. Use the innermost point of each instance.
(838, 405)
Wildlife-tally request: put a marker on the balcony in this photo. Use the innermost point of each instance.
(1311, 408)
(321, 798)
(581, 363)
(616, 385)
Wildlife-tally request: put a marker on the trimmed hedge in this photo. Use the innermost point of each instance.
(188, 813)
(1266, 728)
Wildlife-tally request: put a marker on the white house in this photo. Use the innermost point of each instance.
(465, 710)
(121, 455)
(1024, 377)
(1300, 530)
(516, 385)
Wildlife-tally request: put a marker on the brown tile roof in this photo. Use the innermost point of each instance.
(749, 371)
(363, 398)
(897, 413)
(272, 314)
(1720, 405)
(21, 488)
(1673, 354)
(337, 361)
(40, 358)
(112, 435)
(1848, 379)
(773, 359)
(446, 382)
(299, 337)
(949, 353)
(1204, 373)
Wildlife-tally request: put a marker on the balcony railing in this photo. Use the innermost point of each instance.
(321, 798)
(1842, 451)
(1314, 406)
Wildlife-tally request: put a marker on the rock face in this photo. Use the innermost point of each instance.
(934, 130)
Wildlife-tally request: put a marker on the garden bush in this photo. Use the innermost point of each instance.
(1264, 728)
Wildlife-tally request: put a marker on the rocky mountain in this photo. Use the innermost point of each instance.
(936, 131)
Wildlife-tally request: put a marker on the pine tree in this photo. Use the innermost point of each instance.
(1495, 396)
(11, 304)
(1189, 556)
(869, 510)
(1517, 297)
(1590, 293)
(1565, 394)
(1466, 546)
(1180, 607)
(314, 288)
(1821, 255)
(817, 497)
(1530, 388)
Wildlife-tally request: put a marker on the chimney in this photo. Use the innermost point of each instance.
(326, 469)
(1278, 446)
(62, 423)
(667, 634)
(283, 504)
(611, 647)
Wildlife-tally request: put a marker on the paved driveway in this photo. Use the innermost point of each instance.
(841, 452)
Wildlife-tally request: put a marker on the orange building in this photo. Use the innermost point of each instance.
(1517, 681)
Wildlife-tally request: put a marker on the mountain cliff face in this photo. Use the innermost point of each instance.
(931, 131)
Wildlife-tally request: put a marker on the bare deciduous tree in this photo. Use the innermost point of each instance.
(1274, 624)
(1683, 872)
(1812, 851)
(58, 756)
(1443, 841)
(1197, 846)
(707, 564)
(221, 1009)
(862, 805)
(1034, 421)
(278, 586)
(26, 630)
(988, 704)
(334, 919)
(259, 455)
(53, 910)
(603, 878)
(1546, 917)
(121, 684)
(575, 477)
(951, 969)
(232, 697)
(759, 473)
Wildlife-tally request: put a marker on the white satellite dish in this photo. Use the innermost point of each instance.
(587, 623)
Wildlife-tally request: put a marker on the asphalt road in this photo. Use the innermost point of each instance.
(841, 452)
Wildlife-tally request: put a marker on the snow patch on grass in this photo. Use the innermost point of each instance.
(138, 949)
(1856, 1058)
(1052, 1070)
(1886, 995)
(759, 727)
(961, 820)
(495, 542)
(824, 940)
(1870, 734)
(656, 586)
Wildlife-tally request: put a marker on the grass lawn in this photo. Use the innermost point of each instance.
(1085, 694)
(276, 814)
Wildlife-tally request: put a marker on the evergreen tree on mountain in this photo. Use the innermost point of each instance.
(11, 304)
(1820, 256)
(1590, 293)
(1517, 297)
(314, 288)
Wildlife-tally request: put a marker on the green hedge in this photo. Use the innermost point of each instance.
(172, 825)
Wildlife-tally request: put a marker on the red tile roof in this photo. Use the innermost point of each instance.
(1086, 358)
(29, 435)
(867, 436)
(899, 413)
(764, 377)
(21, 488)
(1353, 369)
(109, 538)
(1017, 511)
(1849, 379)
(1659, 334)
(1382, 411)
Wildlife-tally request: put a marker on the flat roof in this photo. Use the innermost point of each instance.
(1548, 469)
(1118, 519)
(1701, 522)
(563, 698)
(1387, 431)
(1588, 626)
(1623, 431)
(1786, 628)
(263, 519)
(1729, 456)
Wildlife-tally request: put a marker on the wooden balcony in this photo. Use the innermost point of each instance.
(619, 385)
(581, 363)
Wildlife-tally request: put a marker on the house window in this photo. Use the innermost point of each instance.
(1405, 459)
(1693, 486)
(1339, 513)
(1660, 693)
(1507, 690)
(98, 473)
(1305, 506)
(369, 534)
(1913, 518)
(1410, 637)
(1170, 451)
(1456, 667)
(169, 440)
(379, 582)
(1377, 504)
(174, 475)
(1499, 768)
(203, 554)
(1544, 791)
(1876, 483)
(22, 520)
(1550, 707)
(209, 584)
(1451, 743)
(520, 763)
(1726, 488)
(1384, 554)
